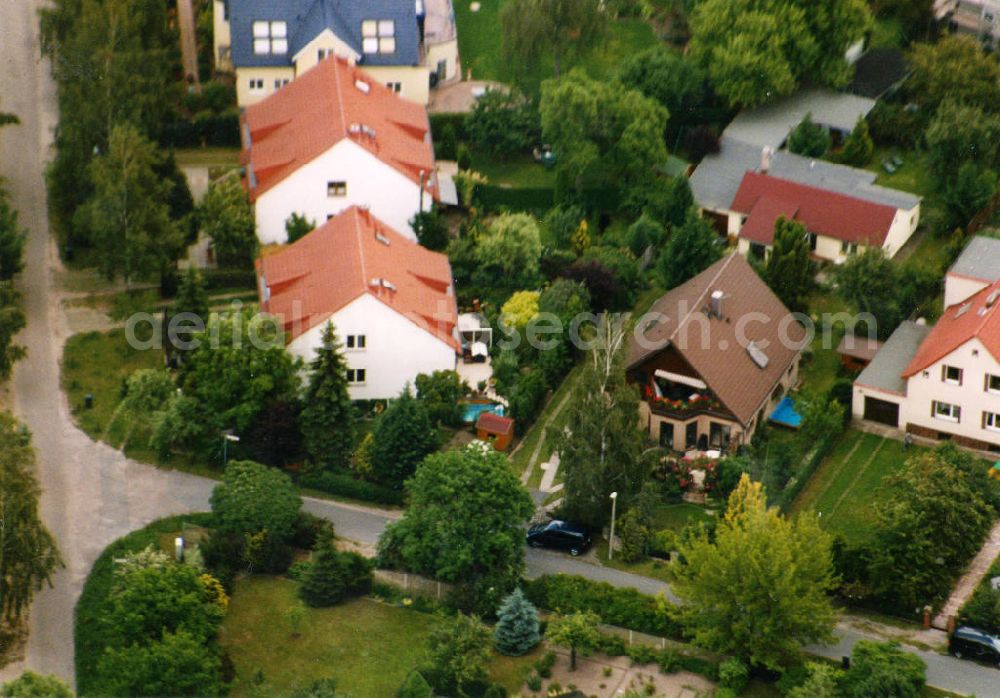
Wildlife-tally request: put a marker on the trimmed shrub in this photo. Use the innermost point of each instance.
(342, 483)
(734, 674)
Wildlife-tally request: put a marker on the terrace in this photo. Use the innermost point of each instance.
(674, 395)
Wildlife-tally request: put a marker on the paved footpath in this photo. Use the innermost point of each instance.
(978, 568)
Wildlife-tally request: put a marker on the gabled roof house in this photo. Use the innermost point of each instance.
(713, 358)
(405, 45)
(943, 382)
(331, 140)
(391, 300)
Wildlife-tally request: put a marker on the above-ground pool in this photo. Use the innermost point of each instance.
(472, 410)
(785, 414)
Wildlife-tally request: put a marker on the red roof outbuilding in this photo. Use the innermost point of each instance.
(350, 255)
(764, 199)
(328, 103)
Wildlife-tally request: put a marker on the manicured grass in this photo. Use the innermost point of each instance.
(90, 628)
(97, 363)
(520, 172)
(519, 459)
(913, 175)
(481, 45)
(369, 647)
(209, 157)
(676, 517)
(847, 484)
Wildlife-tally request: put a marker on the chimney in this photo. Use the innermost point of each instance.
(716, 305)
(765, 159)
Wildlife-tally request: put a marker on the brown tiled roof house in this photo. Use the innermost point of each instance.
(713, 358)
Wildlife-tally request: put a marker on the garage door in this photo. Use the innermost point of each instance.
(882, 411)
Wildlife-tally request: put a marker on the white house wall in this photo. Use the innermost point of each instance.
(391, 196)
(221, 36)
(396, 350)
(921, 390)
(903, 226)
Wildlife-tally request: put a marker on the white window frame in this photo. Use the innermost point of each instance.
(951, 413)
(336, 188)
(357, 376)
(951, 381)
(281, 82)
(378, 36)
(356, 342)
(270, 37)
(395, 86)
(989, 384)
(991, 421)
(256, 86)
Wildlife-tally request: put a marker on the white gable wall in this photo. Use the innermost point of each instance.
(308, 55)
(921, 390)
(959, 288)
(391, 196)
(396, 348)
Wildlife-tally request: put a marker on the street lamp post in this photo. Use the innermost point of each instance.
(611, 538)
(227, 436)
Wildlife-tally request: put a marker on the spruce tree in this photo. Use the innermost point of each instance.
(327, 420)
(416, 686)
(516, 631)
(403, 438)
(789, 271)
(859, 147)
(691, 249)
(324, 583)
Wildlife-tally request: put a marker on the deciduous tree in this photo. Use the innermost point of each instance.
(28, 553)
(127, 218)
(759, 589)
(884, 669)
(533, 29)
(503, 123)
(227, 218)
(577, 632)
(601, 447)
(252, 498)
(460, 650)
(441, 393)
(481, 549)
(328, 420)
(509, 251)
(176, 665)
(32, 685)
(298, 226)
(12, 239)
(869, 282)
(670, 78)
(956, 68)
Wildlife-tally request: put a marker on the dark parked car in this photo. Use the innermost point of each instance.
(975, 644)
(559, 535)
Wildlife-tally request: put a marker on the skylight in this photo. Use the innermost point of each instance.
(758, 355)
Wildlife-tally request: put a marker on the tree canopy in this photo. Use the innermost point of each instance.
(253, 498)
(668, 77)
(809, 139)
(464, 525)
(757, 50)
(600, 449)
(692, 248)
(603, 133)
(759, 589)
(327, 420)
(509, 250)
(788, 270)
(957, 69)
(28, 553)
(403, 437)
(227, 218)
(560, 29)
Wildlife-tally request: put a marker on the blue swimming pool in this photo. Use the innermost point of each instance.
(472, 410)
(785, 414)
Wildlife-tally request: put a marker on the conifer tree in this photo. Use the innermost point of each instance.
(416, 686)
(191, 296)
(334, 575)
(403, 438)
(691, 249)
(516, 631)
(788, 270)
(327, 420)
(859, 147)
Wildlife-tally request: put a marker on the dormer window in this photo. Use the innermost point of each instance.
(378, 36)
(270, 38)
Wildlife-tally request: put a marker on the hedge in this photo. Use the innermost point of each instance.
(204, 130)
(439, 121)
(805, 471)
(626, 608)
(90, 629)
(346, 485)
(217, 279)
(491, 197)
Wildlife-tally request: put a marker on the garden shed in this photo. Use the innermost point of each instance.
(494, 429)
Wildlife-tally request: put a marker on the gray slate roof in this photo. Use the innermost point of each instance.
(717, 179)
(308, 18)
(770, 125)
(979, 260)
(885, 372)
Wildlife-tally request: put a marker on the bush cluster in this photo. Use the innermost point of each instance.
(626, 608)
(344, 484)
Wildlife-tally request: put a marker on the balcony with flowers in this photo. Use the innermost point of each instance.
(673, 395)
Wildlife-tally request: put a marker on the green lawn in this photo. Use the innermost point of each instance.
(481, 45)
(913, 175)
(369, 647)
(98, 363)
(846, 485)
(676, 516)
(217, 157)
(520, 172)
(519, 459)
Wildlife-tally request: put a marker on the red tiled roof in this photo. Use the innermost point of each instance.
(325, 105)
(354, 253)
(765, 198)
(494, 423)
(978, 317)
